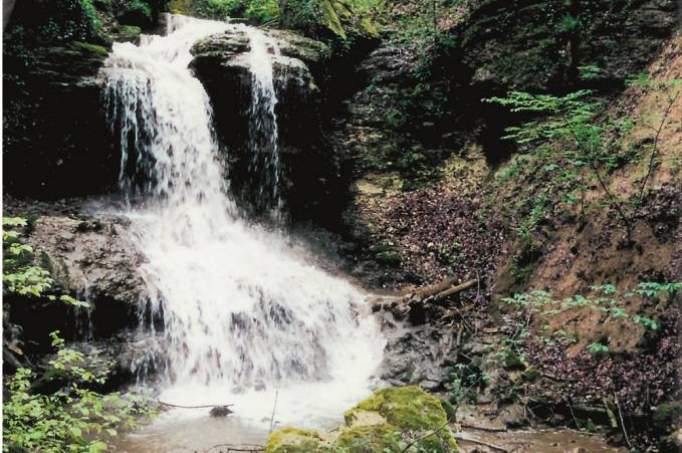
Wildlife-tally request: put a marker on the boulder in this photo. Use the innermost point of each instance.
(92, 259)
(382, 422)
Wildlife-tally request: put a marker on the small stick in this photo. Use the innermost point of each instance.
(483, 428)
(480, 442)
(237, 448)
(274, 408)
(622, 422)
(208, 406)
(654, 152)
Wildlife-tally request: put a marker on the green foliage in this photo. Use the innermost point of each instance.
(58, 21)
(254, 10)
(73, 419)
(606, 299)
(598, 349)
(339, 16)
(560, 116)
(467, 380)
(134, 12)
(20, 276)
(358, 13)
(581, 137)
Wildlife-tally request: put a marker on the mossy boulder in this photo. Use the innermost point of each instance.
(408, 410)
(369, 439)
(294, 440)
(386, 421)
(404, 407)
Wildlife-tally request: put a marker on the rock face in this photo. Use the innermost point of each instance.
(378, 424)
(90, 258)
(55, 127)
(56, 141)
(537, 45)
(221, 62)
(93, 258)
(421, 347)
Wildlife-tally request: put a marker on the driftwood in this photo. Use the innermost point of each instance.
(217, 410)
(440, 291)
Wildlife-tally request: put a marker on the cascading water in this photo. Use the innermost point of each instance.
(263, 133)
(245, 316)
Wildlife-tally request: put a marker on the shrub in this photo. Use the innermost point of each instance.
(74, 418)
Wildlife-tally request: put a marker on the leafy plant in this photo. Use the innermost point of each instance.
(20, 274)
(606, 299)
(74, 418)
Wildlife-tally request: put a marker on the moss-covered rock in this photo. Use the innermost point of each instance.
(294, 440)
(404, 407)
(386, 421)
(369, 439)
(409, 410)
(126, 33)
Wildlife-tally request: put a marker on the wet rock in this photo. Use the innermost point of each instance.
(309, 171)
(92, 259)
(220, 411)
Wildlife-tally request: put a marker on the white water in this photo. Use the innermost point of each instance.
(263, 132)
(245, 316)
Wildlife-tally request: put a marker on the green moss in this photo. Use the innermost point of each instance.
(369, 439)
(382, 423)
(89, 49)
(450, 410)
(180, 6)
(404, 407)
(294, 440)
(128, 33)
(668, 413)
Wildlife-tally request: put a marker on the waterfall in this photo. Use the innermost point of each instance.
(244, 314)
(263, 133)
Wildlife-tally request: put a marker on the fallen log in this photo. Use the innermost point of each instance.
(440, 291)
(427, 291)
(455, 290)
